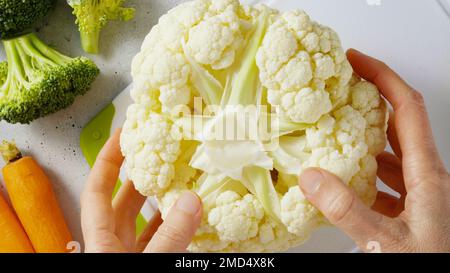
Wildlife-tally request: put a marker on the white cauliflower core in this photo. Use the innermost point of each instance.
(232, 57)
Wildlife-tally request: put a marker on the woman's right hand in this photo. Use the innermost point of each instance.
(418, 221)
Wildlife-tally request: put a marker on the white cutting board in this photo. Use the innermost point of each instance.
(411, 35)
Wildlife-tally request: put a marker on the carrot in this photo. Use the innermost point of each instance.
(34, 201)
(13, 238)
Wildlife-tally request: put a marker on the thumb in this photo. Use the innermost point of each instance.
(342, 207)
(179, 227)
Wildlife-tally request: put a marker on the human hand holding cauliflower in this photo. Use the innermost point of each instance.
(296, 74)
(110, 225)
(416, 222)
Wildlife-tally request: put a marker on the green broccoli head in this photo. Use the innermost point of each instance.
(93, 15)
(40, 80)
(17, 16)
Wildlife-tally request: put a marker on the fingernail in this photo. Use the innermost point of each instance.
(189, 203)
(356, 51)
(310, 181)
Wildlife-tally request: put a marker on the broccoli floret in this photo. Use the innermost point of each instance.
(40, 80)
(17, 16)
(93, 15)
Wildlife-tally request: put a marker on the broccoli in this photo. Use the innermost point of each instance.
(39, 80)
(36, 80)
(93, 15)
(3, 72)
(18, 16)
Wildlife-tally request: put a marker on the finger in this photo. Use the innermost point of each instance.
(411, 118)
(179, 227)
(386, 204)
(344, 209)
(128, 201)
(96, 210)
(392, 135)
(127, 204)
(104, 173)
(148, 232)
(390, 171)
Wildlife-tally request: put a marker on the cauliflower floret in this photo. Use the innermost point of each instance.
(183, 179)
(273, 236)
(364, 182)
(161, 72)
(214, 34)
(306, 106)
(160, 68)
(208, 242)
(215, 40)
(184, 174)
(324, 66)
(298, 54)
(190, 13)
(321, 134)
(299, 216)
(151, 146)
(334, 161)
(298, 22)
(296, 74)
(173, 25)
(366, 99)
(337, 144)
(235, 218)
(347, 127)
(171, 97)
(350, 126)
(278, 47)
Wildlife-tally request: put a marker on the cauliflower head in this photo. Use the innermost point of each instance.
(233, 102)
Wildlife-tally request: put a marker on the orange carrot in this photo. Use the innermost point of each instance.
(34, 201)
(13, 238)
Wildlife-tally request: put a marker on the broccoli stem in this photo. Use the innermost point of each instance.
(26, 55)
(26, 62)
(36, 49)
(90, 41)
(16, 72)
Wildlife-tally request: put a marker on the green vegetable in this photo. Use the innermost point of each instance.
(40, 80)
(3, 72)
(17, 16)
(93, 15)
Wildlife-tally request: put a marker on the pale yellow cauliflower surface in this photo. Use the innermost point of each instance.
(305, 77)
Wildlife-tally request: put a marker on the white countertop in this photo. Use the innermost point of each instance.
(411, 35)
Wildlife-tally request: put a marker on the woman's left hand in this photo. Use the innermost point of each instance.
(110, 225)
